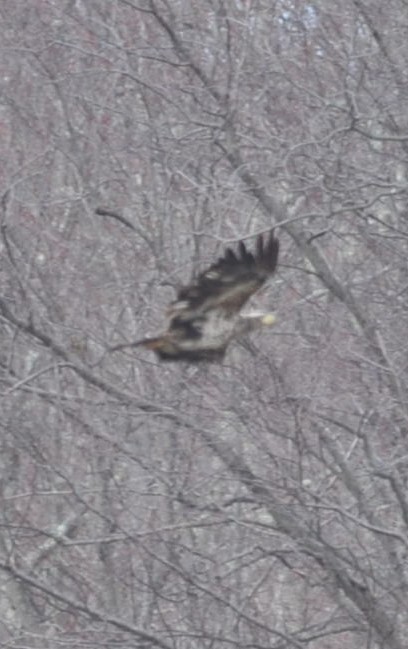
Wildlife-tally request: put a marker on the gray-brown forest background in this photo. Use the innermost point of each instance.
(260, 503)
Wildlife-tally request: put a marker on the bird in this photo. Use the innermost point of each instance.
(206, 315)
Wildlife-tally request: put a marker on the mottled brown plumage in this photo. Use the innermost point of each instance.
(206, 314)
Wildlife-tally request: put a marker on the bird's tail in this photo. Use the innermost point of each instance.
(149, 343)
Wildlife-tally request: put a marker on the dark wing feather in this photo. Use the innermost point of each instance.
(228, 283)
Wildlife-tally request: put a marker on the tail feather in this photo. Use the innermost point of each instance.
(149, 343)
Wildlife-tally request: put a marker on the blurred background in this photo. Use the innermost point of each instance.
(260, 503)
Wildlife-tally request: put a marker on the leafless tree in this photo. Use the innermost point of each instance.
(257, 503)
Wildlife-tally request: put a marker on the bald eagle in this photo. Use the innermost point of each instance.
(206, 316)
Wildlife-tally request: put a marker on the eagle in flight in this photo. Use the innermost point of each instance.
(206, 315)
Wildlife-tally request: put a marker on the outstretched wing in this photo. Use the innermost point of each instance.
(203, 318)
(227, 284)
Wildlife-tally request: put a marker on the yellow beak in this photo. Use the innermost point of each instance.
(268, 319)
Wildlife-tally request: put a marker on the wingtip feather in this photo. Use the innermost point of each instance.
(242, 250)
(272, 250)
(267, 252)
(259, 247)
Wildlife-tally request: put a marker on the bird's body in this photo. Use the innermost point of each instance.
(206, 315)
